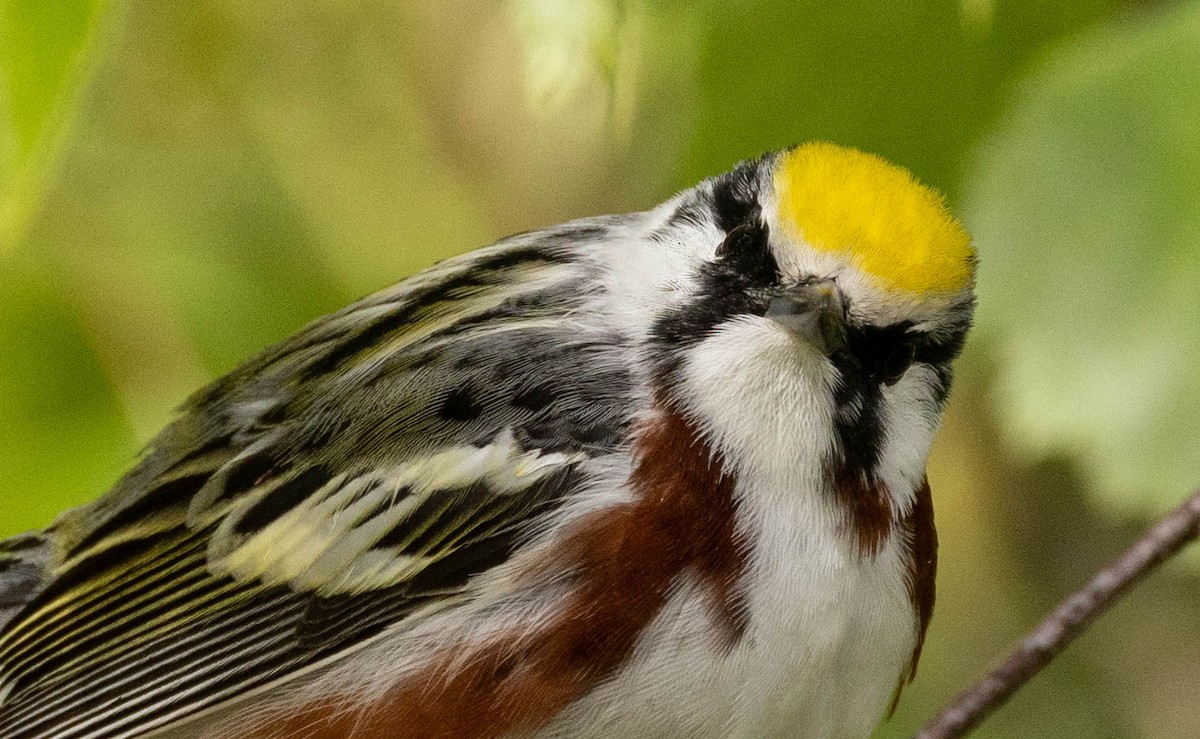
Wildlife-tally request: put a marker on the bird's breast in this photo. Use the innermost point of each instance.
(826, 635)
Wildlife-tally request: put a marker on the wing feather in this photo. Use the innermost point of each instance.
(367, 468)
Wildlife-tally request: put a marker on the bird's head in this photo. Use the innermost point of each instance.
(847, 274)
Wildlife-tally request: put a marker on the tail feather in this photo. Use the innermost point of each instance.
(24, 561)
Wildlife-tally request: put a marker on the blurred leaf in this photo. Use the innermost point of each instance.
(351, 148)
(62, 435)
(568, 45)
(46, 49)
(552, 111)
(1085, 206)
(915, 82)
(580, 51)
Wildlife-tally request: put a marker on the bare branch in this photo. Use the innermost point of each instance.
(1067, 622)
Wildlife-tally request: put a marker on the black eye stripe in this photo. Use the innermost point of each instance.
(885, 352)
(941, 350)
(736, 211)
(734, 200)
(747, 249)
(873, 351)
(729, 285)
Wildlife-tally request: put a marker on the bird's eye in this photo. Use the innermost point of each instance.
(734, 240)
(746, 249)
(896, 362)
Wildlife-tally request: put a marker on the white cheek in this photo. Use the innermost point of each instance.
(910, 419)
(643, 276)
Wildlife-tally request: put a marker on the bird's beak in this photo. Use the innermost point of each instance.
(815, 312)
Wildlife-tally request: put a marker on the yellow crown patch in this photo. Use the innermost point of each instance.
(889, 225)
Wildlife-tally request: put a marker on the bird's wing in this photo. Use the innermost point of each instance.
(364, 469)
(23, 562)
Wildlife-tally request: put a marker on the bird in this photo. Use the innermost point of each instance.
(660, 474)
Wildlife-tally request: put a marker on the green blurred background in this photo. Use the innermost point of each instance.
(182, 184)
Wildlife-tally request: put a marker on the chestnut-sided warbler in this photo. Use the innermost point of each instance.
(647, 475)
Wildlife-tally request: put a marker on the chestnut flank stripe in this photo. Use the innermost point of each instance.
(627, 557)
(867, 507)
(920, 560)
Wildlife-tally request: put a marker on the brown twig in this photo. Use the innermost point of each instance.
(1066, 622)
